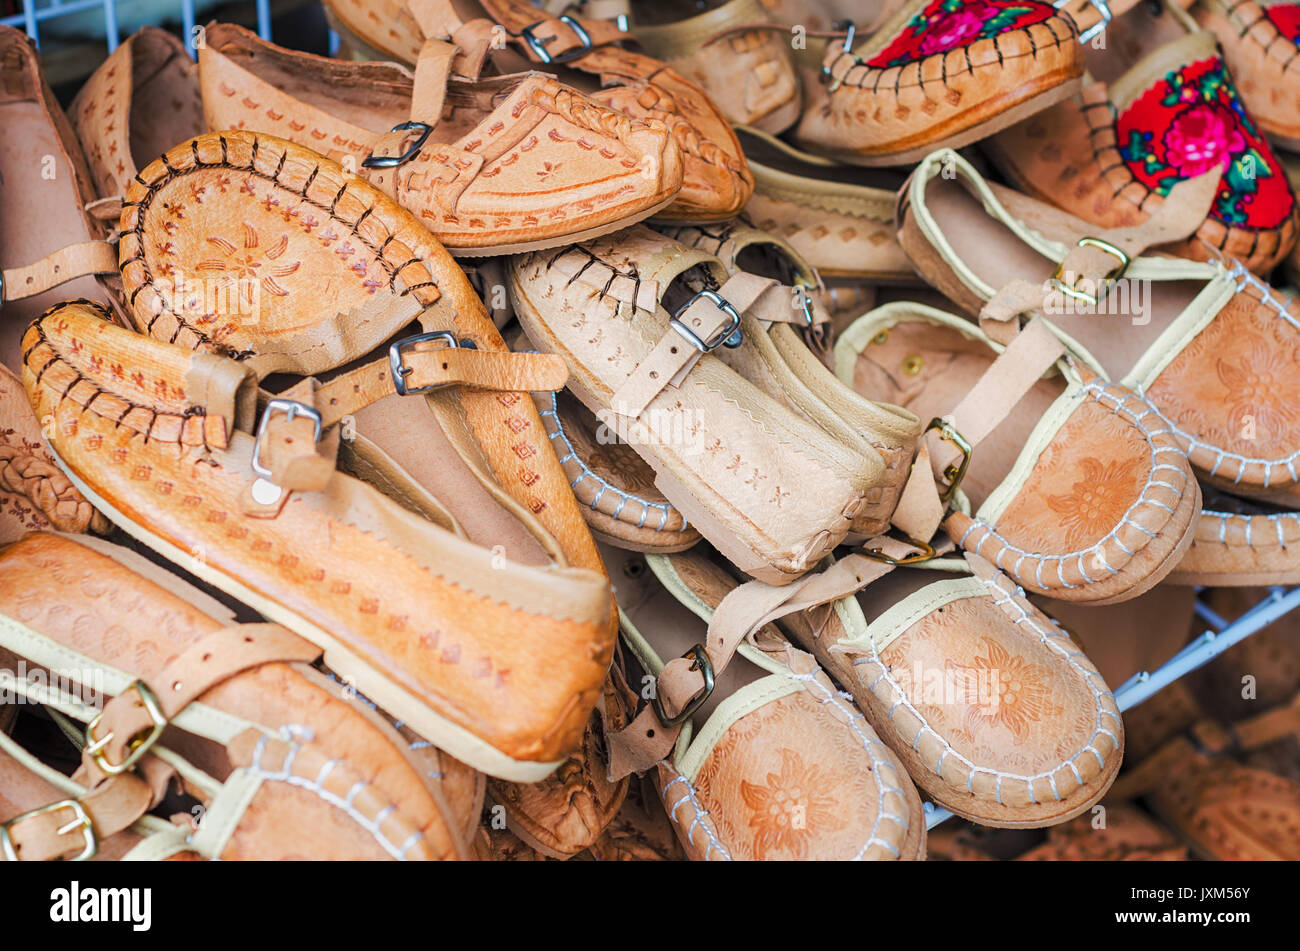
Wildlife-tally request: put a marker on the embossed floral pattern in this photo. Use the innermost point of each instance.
(1020, 696)
(1262, 387)
(1096, 501)
(1192, 121)
(789, 808)
(950, 24)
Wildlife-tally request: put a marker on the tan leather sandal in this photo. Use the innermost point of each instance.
(768, 760)
(1239, 542)
(1163, 109)
(730, 50)
(1200, 341)
(938, 72)
(641, 832)
(521, 162)
(1259, 44)
(1069, 484)
(583, 51)
(1122, 833)
(281, 767)
(639, 319)
(142, 101)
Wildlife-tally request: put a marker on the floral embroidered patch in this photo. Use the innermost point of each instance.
(1192, 121)
(950, 24)
(1286, 17)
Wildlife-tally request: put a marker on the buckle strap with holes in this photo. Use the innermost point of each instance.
(66, 264)
(131, 723)
(1106, 282)
(80, 821)
(392, 161)
(538, 44)
(699, 658)
(292, 409)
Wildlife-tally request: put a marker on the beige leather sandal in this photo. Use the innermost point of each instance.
(583, 51)
(1071, 485)
(143, 100)
(1163, 109)
(1200, 341)
(639, 318)
(783, 358)
(938, 72)
(1239, 542)
(769, 760)
(495, 166)
(228, 713)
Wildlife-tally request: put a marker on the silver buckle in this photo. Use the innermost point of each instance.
(292, 409)
(389, 161)
(400, 372)
(81, 819)
(729, 336)
(538, 45)
(1099, 26)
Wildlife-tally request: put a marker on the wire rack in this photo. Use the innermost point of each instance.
(1219, 635)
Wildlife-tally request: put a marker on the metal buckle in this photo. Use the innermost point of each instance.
(729, 336)
(700, 658)
(538, 45)
(1099, 26)
(401, 372)
(825, 75)
(81, 819)
(1114, 275)
(137, 746)
(957, 471)
(292, 409)
(389, 161)
(924, 552)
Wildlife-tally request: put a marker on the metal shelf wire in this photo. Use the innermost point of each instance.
(32, 16)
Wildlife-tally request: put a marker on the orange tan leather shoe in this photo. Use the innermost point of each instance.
(641, 832)
(1163, 109)
(784, 359)
(1239, 542)
(990, 706)
(169, 453)
(142, 101)
(938, 72)
(1259, 45)
(771, 761)
(509, 35)
(1069, 484)
(522, 162)
(638, 318)
(281, 766)
(728, 48)
(1122, 833)
(1200, 341)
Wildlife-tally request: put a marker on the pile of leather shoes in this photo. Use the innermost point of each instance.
(638, 433)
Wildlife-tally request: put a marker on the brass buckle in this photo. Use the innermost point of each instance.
(81, 819)
(392, 161)
(924, 552)
(138, 746)
(1090, 299)
(957, 470)
(700, 656)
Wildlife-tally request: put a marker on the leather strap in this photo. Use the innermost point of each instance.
(432, 69)
(65, 264)
(556, 36)
(110, 808)
(1087, 13)
(211, 660)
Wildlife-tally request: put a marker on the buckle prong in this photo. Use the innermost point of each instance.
(729, 336)
(80, 820)
(292, 409)
(538, 45)
(138, 745)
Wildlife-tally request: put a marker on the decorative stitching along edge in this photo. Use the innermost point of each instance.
(699, 818)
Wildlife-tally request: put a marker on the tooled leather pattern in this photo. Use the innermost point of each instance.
(29, 475)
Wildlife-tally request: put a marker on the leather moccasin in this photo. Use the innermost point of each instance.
(1207, 344)
(773, 762)
(401, 601)
(614, 485)
(1112, 155)
(840, 219)
(1069, 484)
(490, 167)
(282, 766)
(938, 72)
(988, 703)
(1127, 835)
(641, 832)
(638, 318)
(143, 100)
(781, 358)
(510, 35)
(1259, 45)
(731, 52)
(1239, 542)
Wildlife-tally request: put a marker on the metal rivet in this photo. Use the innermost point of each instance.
(880, 337)
(912, 365)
